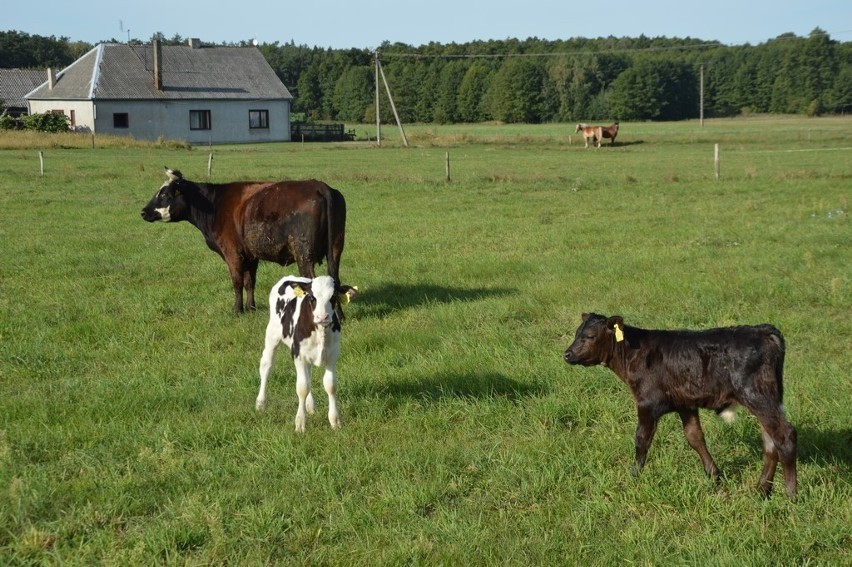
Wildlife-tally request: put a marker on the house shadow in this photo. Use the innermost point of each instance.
(433, 388)
(389, 298)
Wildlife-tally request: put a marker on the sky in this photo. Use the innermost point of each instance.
(344, 24)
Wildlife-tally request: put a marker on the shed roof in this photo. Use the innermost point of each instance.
(16, 83)
(113, 71)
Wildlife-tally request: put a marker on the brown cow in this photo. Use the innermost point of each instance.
(610, 131)
(244, 222)
(682, 371)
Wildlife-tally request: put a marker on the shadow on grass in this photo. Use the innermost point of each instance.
(451, 385)
(385, 299)
(826, 447)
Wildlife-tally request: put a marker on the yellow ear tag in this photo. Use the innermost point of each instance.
(345, 298)
(619, 334)
(298, 292)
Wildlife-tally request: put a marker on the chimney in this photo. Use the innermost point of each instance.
(51, 78)
(194, 42)
(158, 66)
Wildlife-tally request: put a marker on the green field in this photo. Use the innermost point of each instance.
(128, 434)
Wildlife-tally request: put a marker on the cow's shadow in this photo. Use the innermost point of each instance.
(623, 144)
(388, 298)
(433, 388)
(824, 447)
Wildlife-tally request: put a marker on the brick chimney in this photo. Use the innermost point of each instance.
(158, 66)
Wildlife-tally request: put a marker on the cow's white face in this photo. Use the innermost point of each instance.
(321, 298)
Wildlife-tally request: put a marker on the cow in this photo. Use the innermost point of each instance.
(610, 132)
(244, 222)
(592, 133)
(303, 314)
(682, 371)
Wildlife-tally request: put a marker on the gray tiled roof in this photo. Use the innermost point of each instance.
(15, 83)
(118, 71)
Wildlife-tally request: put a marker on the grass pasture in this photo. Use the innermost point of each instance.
(128, 434)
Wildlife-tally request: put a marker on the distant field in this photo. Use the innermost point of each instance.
(128, 433)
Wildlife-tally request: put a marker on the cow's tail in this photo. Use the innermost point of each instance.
(336, 222)
(777, 349)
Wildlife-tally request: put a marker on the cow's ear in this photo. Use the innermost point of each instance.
(585, 316)
(347, 293)
(616, 325)
(298, 290)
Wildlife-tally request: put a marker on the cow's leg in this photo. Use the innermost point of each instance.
(695, 437)
(306, 267)
(271, 344)
(249, 279)
(303, 391)
(236, 270)
(779, 443)
(329, 381)
(648, 419)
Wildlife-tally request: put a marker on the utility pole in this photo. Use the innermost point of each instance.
(390, 98)
(378, 112)
(701, 97)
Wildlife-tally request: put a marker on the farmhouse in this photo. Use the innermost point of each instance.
(187, 92)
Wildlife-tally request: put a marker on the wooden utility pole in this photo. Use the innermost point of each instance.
(378, 110)
(390, 98)
(701, 97)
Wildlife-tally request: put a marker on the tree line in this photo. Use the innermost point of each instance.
(538, 81)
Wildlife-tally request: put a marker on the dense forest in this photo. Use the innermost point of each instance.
(535, 80)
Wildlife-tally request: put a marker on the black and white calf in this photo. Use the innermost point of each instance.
(304, 315)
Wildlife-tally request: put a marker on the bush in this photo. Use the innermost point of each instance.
(8, 122)
(47, 122)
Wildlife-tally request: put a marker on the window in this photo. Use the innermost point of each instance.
(199, 119)
(120, 120)
(258, 119)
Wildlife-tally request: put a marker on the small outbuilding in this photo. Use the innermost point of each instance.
(14, 85)
(195, 93)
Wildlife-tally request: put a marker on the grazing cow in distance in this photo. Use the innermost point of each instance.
(610, 132)
(592, 133)
(244, 222)
(303, 314)
(682, 371)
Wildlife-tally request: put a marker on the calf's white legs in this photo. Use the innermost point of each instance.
(303, 389)
(266, 361)
(329, 381)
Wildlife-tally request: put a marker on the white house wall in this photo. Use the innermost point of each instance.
(82, 109)
(229, 120)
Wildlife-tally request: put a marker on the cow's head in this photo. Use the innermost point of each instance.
(169, 203)
(594, 339)
(325, 298)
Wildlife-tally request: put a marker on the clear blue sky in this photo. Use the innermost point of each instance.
(342, 24)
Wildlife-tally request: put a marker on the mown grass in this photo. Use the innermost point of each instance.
(127, 428)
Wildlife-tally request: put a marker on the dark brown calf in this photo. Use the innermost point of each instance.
(682, 371)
